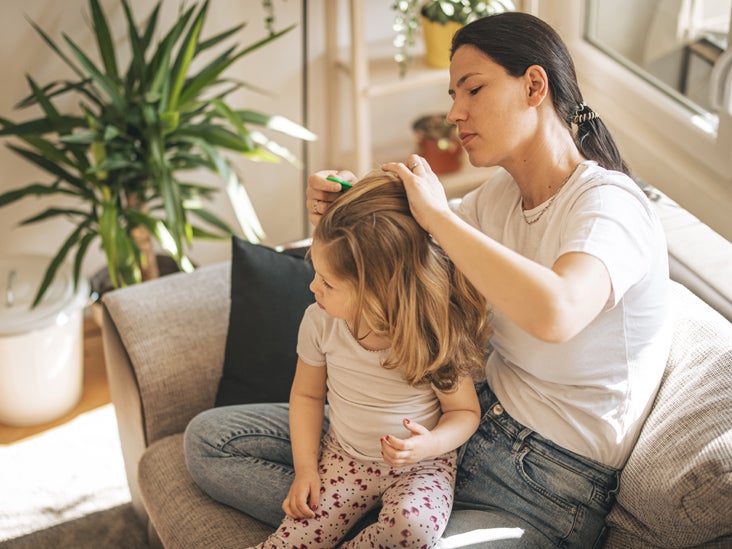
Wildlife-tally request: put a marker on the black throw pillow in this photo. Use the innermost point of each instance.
(269, 294)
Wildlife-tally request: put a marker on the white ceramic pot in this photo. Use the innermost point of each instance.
(41, 348)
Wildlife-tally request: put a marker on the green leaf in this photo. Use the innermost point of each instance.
(151, 25)
(206, 44)
(35, 189)
(53, 212)
(201, 234)
(44, 102)
(39, 126)
(135, 74)
(49, 151)
(80, 253)
(205, 78)
(211, 72)
(49, 166)
(170, 195)
(81, 138)
(104, 39)
(56, 49)
(240, 202)
(57, 261)
(277, 123)
(56, 89)
(276, 151)
(160, 62)
(102, 80)
(108, 234)
(185, 56)
(169, 121)
(218, 136)
(213, 219)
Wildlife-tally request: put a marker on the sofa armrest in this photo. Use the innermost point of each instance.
(173, 331)
(127, 406)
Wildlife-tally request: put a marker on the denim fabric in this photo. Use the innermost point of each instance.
(511, 478)
(512, 484)
(241, 455)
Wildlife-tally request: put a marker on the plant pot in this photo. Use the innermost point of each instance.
(437, 41)
(41, 348)
(438, 143)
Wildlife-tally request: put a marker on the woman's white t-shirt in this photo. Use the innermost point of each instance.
(592, 393)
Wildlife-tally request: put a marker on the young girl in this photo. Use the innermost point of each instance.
(390, 343)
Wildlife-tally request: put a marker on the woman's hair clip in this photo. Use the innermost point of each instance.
(582, 114)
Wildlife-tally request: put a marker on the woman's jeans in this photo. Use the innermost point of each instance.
(512, 484)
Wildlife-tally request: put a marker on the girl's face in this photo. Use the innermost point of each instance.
(334, 295)
(489, 107)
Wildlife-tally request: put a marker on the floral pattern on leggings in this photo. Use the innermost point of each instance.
(415, 500)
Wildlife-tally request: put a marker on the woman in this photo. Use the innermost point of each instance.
(572, 260)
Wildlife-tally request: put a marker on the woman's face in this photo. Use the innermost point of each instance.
(489, 107)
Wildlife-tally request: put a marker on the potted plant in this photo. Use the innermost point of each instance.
(438, 142)
(119, 155)
(439, 19)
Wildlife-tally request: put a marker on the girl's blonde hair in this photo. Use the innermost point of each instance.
(407, 289)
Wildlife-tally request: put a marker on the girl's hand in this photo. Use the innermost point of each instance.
(426, 194)
(321, 192)
(303, 498)
(420, 445)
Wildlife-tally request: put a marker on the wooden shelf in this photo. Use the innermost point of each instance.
(383, 71)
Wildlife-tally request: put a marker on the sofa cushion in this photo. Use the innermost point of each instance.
(183, 516)
(676, 488)
(269, 294)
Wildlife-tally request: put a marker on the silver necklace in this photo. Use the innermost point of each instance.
(533, 218)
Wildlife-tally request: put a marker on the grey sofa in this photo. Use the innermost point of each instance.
(164, 348)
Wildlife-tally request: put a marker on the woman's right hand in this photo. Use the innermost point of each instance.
(426, 195)
(303, 498)
(321, 192)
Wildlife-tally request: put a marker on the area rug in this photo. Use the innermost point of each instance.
(67, 488)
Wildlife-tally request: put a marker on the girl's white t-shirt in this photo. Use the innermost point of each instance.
(591, 394)
(365, 400)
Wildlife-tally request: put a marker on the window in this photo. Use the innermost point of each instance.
(674, 45)
(648, 66)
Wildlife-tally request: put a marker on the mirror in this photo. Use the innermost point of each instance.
(673, 44)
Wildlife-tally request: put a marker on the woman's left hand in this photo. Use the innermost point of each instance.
(426, 194)
(321, 192)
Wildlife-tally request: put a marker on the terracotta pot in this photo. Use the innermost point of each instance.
(438, 143)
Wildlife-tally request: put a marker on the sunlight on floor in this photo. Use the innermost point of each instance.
(477, 536)
(62, 474)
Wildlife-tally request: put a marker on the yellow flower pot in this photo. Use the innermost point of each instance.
(437, 41)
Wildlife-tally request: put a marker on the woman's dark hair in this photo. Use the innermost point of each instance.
(517, 40)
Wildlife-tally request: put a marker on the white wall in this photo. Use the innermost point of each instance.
(276, 190)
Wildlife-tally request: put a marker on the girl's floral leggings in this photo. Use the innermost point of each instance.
(415, 500)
